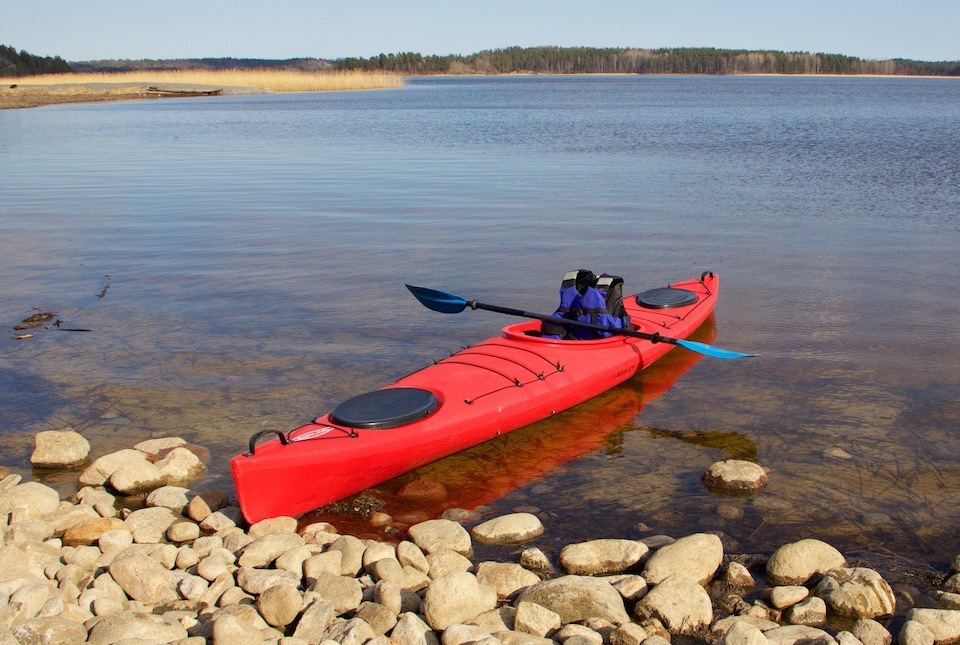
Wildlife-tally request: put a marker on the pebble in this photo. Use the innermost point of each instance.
(188, 569)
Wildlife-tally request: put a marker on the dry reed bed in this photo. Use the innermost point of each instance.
(58, 88)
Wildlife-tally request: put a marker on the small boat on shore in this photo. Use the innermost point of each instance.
(163, 92)
(481, 392)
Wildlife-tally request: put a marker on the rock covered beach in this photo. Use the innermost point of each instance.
(185, 568)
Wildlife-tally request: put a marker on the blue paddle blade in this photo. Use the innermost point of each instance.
(710, 350)
(442, 301)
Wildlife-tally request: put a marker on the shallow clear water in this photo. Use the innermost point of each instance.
(254, 250)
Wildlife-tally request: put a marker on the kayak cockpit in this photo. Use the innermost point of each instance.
(530, 332)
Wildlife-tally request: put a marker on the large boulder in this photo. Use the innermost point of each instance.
(143, 578)
(135, 477)
(440, 535)
(797, 562)
(799, 635)
(506, 578)
(279, 605)
(263, 551)
(103, 467)
(181, 465)
(28, 501)
(857, 592)
(944, 624)
(696, 557)
(601, 556)
(515, 528)
(135, 627)
(576, 598)
(742, 632)
(411, 630)
(149, 525)
(456, 598)
(89, 532)
(53, 629)
(59, 449)
(870, 632)
(680, 603)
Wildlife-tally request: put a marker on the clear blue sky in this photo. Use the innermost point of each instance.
(101, 29)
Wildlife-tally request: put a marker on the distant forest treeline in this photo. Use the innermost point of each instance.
(687, 60)
(14, 63)
(544, 60)
(106, 66)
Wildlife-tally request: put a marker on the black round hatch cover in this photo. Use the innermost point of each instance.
(387, 408)
(666, 298)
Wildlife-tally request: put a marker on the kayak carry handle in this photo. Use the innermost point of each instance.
(253, 440)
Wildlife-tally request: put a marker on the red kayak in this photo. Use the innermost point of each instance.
(483, 391)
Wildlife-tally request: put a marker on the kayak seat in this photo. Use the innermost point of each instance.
(387, 408)
(666, 298)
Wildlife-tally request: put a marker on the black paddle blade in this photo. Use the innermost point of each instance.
(442, 301)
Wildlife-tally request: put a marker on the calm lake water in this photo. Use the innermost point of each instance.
(254, 251)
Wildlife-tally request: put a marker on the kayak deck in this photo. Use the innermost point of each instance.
(472, 396)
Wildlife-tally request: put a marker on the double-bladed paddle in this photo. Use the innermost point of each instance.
(449, 303)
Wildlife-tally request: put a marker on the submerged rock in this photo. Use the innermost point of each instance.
(735, 476)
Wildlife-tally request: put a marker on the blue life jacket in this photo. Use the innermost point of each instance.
(586, 298)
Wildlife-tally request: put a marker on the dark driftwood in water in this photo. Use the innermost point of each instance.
(34, 321)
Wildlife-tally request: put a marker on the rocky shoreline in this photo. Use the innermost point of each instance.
(185, 568)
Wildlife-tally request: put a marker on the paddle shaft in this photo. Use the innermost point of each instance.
(654, 338)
